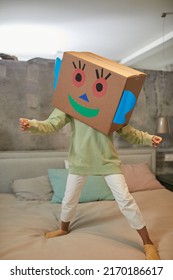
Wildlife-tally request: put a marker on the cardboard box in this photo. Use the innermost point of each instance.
(97, 91)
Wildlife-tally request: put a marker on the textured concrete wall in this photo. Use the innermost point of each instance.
(26, 90)
(155, 100)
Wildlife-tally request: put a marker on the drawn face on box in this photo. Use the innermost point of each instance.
(91, 92)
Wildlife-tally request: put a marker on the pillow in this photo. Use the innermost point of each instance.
(66, 164)
(38, 188)
(139, 177)
(95, 188)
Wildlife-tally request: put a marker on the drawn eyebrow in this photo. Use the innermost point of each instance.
(97, 73)
(102, 73)
(83, 67)
(98, 76)
(108, 75)
(74, 65)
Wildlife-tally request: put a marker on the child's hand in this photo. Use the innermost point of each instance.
(24, 124)
(156, 140)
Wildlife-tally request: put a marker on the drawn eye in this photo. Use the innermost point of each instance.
(99, 87)
(78, 75)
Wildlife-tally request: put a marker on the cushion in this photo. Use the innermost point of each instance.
(95, 187)
(140, 178)
(38, 188)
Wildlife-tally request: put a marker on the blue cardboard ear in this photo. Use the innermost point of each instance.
(57, 67)
(127, 103)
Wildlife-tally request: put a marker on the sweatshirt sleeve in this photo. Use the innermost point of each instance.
(55, 121)
(134, 136)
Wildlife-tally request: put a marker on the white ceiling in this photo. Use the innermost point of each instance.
(129, 31)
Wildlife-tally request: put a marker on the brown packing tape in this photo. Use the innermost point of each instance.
(109, 64)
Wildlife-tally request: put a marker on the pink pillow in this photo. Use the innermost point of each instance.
(139, 177)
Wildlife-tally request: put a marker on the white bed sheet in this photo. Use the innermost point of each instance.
(98, 232)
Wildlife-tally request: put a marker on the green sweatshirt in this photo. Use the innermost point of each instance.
(91, 152)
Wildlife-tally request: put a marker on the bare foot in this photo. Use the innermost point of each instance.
(150, 252)
(55, 233)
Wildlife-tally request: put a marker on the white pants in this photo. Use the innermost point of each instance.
(118, 186)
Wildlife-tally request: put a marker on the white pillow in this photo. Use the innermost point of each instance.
(66, 164)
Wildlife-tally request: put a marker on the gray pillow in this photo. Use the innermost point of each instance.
(38, 188)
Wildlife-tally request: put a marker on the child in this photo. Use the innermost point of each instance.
(93, 153)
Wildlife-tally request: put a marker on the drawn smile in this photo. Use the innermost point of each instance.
(82, 110)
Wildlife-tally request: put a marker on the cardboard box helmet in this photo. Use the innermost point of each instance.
(97, 91)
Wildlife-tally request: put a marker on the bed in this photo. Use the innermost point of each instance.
(32, 185)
